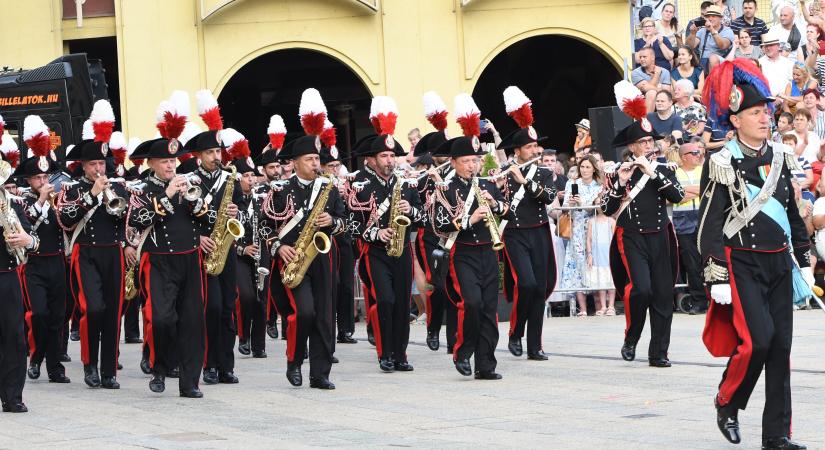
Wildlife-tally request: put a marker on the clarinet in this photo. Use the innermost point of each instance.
(260, 272)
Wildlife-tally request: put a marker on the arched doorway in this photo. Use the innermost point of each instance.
(563, 77)
(272, 84)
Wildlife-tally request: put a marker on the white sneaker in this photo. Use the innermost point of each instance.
(422, 319)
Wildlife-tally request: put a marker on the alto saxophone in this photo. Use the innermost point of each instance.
(310, 243)
(489, 218)
(225, 231)
(11, 224)
(398, 223)
(130, 290)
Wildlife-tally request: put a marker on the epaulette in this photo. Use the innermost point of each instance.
(720, 168)
(790, 156)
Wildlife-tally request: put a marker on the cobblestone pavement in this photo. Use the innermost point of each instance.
(585, 396)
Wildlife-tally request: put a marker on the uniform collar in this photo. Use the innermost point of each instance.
(207, 174)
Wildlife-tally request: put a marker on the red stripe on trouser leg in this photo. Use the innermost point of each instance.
(146, 286)
(738, 365)
(629, 286)
(422, 251)
(291, 326)
(373, 309)
(239, 318)
(514, 310)
(81, 302)
(27, 305)
(459, 340)
(119, 308)
(204, 293)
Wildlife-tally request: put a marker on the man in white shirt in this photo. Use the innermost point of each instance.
(787, 31)
(775, 67)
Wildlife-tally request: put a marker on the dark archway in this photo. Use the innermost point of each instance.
(273, 83)
(563, 77)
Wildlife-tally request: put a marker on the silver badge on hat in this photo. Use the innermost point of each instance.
(646, 125)
(318, 143)
(389, 142)
(249, 161)
(475, 143)
(104, 149)
(532, 133)
(120, 170)
(173, 146)
(333, 151)
(736, 97)
(43, 164)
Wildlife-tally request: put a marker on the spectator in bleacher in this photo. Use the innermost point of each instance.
(800, 82)
(703, 7)
(686, 66)
(775, 67)
(582, 135)
(743, 47)
(784, 124)
(664, 120)
(668, 25)
(692, 113)
(816, 14)
(816, 61)
(728, 13)
(748, 21)
(804, 175)
(787, 31)
(811, 100)
(649, 77)
(807, 142)
(548, 159)
(651, 38)
(686, 216)
(812, 37)
(713, 40)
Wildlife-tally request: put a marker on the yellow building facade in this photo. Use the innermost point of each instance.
(400, 48)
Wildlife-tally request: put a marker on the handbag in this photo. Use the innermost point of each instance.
(564, 227)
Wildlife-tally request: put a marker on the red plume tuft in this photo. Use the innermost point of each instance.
(174, 125)
(438, 120)
(523, 115)
(470, 125)
(12, 157)
(240, 150)
(376, 125)
(139, 162)
(386, 122)
(276, 140)
(182, 158)
(212, 119)
(40, 144)
(635, 107)
(119, 155)
(328, 137)
(161, 126)
(313, 123)
(103, 131)
(73, 166)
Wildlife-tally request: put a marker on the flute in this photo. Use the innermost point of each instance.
(504, 173)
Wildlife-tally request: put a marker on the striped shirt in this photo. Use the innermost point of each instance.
(819, 72)
(819, 124)
(804, 164)
(756, 30)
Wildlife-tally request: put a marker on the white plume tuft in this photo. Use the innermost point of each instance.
(514, 99)
(180, 100)
(433, 103)
(117, 141)
(465, 105)
(102, 112)
(625, 91)
(311, 103)
(206, 100)
(276, 125)
(34, 125)
(88, 130)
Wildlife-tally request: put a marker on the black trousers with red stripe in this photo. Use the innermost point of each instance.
(762, 288)
(313, 319)
(251, 313)
(437, 300)
(646, 258)
(44, 285)
(277, 297)
(532, 268)
(12, 339)
(474, 272)
(221, 296)
(390, 284)
(174, 288)
(345, 298)
(97, 283)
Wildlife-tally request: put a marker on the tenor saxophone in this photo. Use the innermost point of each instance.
(310, 243)
(398, 223)
(226, 230)
(489, 218)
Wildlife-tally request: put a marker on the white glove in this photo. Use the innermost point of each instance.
(721, 294)
(808, 275)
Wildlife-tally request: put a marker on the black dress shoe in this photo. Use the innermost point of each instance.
(333, 360)
(15, 407)
(403, 366)
(34, 371)
(119, 366)
(173, 372)
(191, 393)
(659, 362)
(259, 353)
(59, 378)
(74, 335)
(537, 356)
(450, 350)
(91, 376)
(628, 351)
(272, 331)
(487, 376)
(227, 378)
(109, 383)
(293, 374)
(386, 365)
(432, 341)
(728, 423)
(210, 376)
(463, 367)
(134, 340)
(244, 347)
(65, 358)
(781, 443)
(157, 384)
(145, 367)
(514, 345)
(346, 338)
(321, 383)
(371, 337)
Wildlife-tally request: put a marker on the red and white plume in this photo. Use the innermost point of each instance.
(467, 115)
(2, 127)
(36, 136)
(209, 110)
(11, 154)
(328, 135)
(130, 149)
(435, 110)
(518, 106)
(236, 144)
(171, 115)
(312, 111)
(383, 114)
(118, 146)
(276, 132)
(103, 120)
(630, 99)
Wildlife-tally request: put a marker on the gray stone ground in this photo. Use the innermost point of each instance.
(585, 396)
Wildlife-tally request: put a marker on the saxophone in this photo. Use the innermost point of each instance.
(11, 224)
(310, 243)
(226, 230)
(130, 288)
(398, 223)
(489, 218)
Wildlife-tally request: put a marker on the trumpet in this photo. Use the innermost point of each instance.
(114, 205)
(193, 191)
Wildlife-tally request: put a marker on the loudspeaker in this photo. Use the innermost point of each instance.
(605, 123)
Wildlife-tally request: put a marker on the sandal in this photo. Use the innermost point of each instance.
(601, 312)
(581, 314)
(610, 311)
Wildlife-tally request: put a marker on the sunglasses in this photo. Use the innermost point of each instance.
(694, 153)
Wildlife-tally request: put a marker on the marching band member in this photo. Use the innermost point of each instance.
(44, 274)
(643, 255)
(378, 209)
(93, 212)
(530, 273)
(755, 250)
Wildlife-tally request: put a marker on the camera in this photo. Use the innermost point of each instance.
(700, 22)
